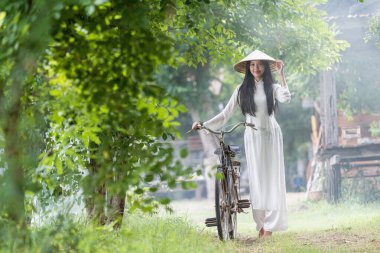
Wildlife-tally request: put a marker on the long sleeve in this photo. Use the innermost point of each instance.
(221, 119)
(281, 94)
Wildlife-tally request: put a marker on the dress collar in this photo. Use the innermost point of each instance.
(258, 82)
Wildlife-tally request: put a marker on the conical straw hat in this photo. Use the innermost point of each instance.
(255, 55)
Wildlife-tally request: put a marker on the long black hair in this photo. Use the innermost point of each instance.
(247, 90)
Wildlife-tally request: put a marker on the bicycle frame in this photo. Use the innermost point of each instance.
(227, 201)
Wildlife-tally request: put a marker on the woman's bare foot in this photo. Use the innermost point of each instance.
(267, 234)
(261, 232)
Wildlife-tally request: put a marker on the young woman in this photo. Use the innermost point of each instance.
(257, 98)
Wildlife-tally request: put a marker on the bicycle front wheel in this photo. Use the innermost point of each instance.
(233, 203)
(222, 209)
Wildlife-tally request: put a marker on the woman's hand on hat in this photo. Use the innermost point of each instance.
(280, 66)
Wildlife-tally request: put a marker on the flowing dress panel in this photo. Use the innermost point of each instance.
(265, 163)
(264, 152)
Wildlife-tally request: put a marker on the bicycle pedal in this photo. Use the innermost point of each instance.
(244, 203)
(211, 222)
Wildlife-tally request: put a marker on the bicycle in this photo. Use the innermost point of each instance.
(227, 182)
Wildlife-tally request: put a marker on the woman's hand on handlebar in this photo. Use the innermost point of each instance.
(196, 125)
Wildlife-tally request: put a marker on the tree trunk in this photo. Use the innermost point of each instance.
(329, 117)
(115, 213)
(115, 202)
(95, 198)
(14, 173)
(102, 205)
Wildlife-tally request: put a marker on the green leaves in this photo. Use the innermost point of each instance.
(101, 66)
(58, 165)
(149, 178)
(219, 175)
(183, 153)
(2, 17)
(89, 135)
(187, 185)
(165, 201)
(103, 102)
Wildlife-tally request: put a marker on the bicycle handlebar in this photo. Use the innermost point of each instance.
(229, 131)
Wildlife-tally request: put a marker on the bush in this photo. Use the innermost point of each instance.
(139, 233)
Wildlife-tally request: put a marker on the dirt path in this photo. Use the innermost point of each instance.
(326, 241)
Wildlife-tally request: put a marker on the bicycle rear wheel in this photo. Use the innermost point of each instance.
(222, 209)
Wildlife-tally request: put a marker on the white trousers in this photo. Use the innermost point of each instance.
(270, 220)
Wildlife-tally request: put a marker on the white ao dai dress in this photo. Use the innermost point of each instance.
(265, 157)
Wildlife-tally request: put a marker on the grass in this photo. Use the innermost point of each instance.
(313, 227)
(315, 216)
(140, 234)
(154, 234)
